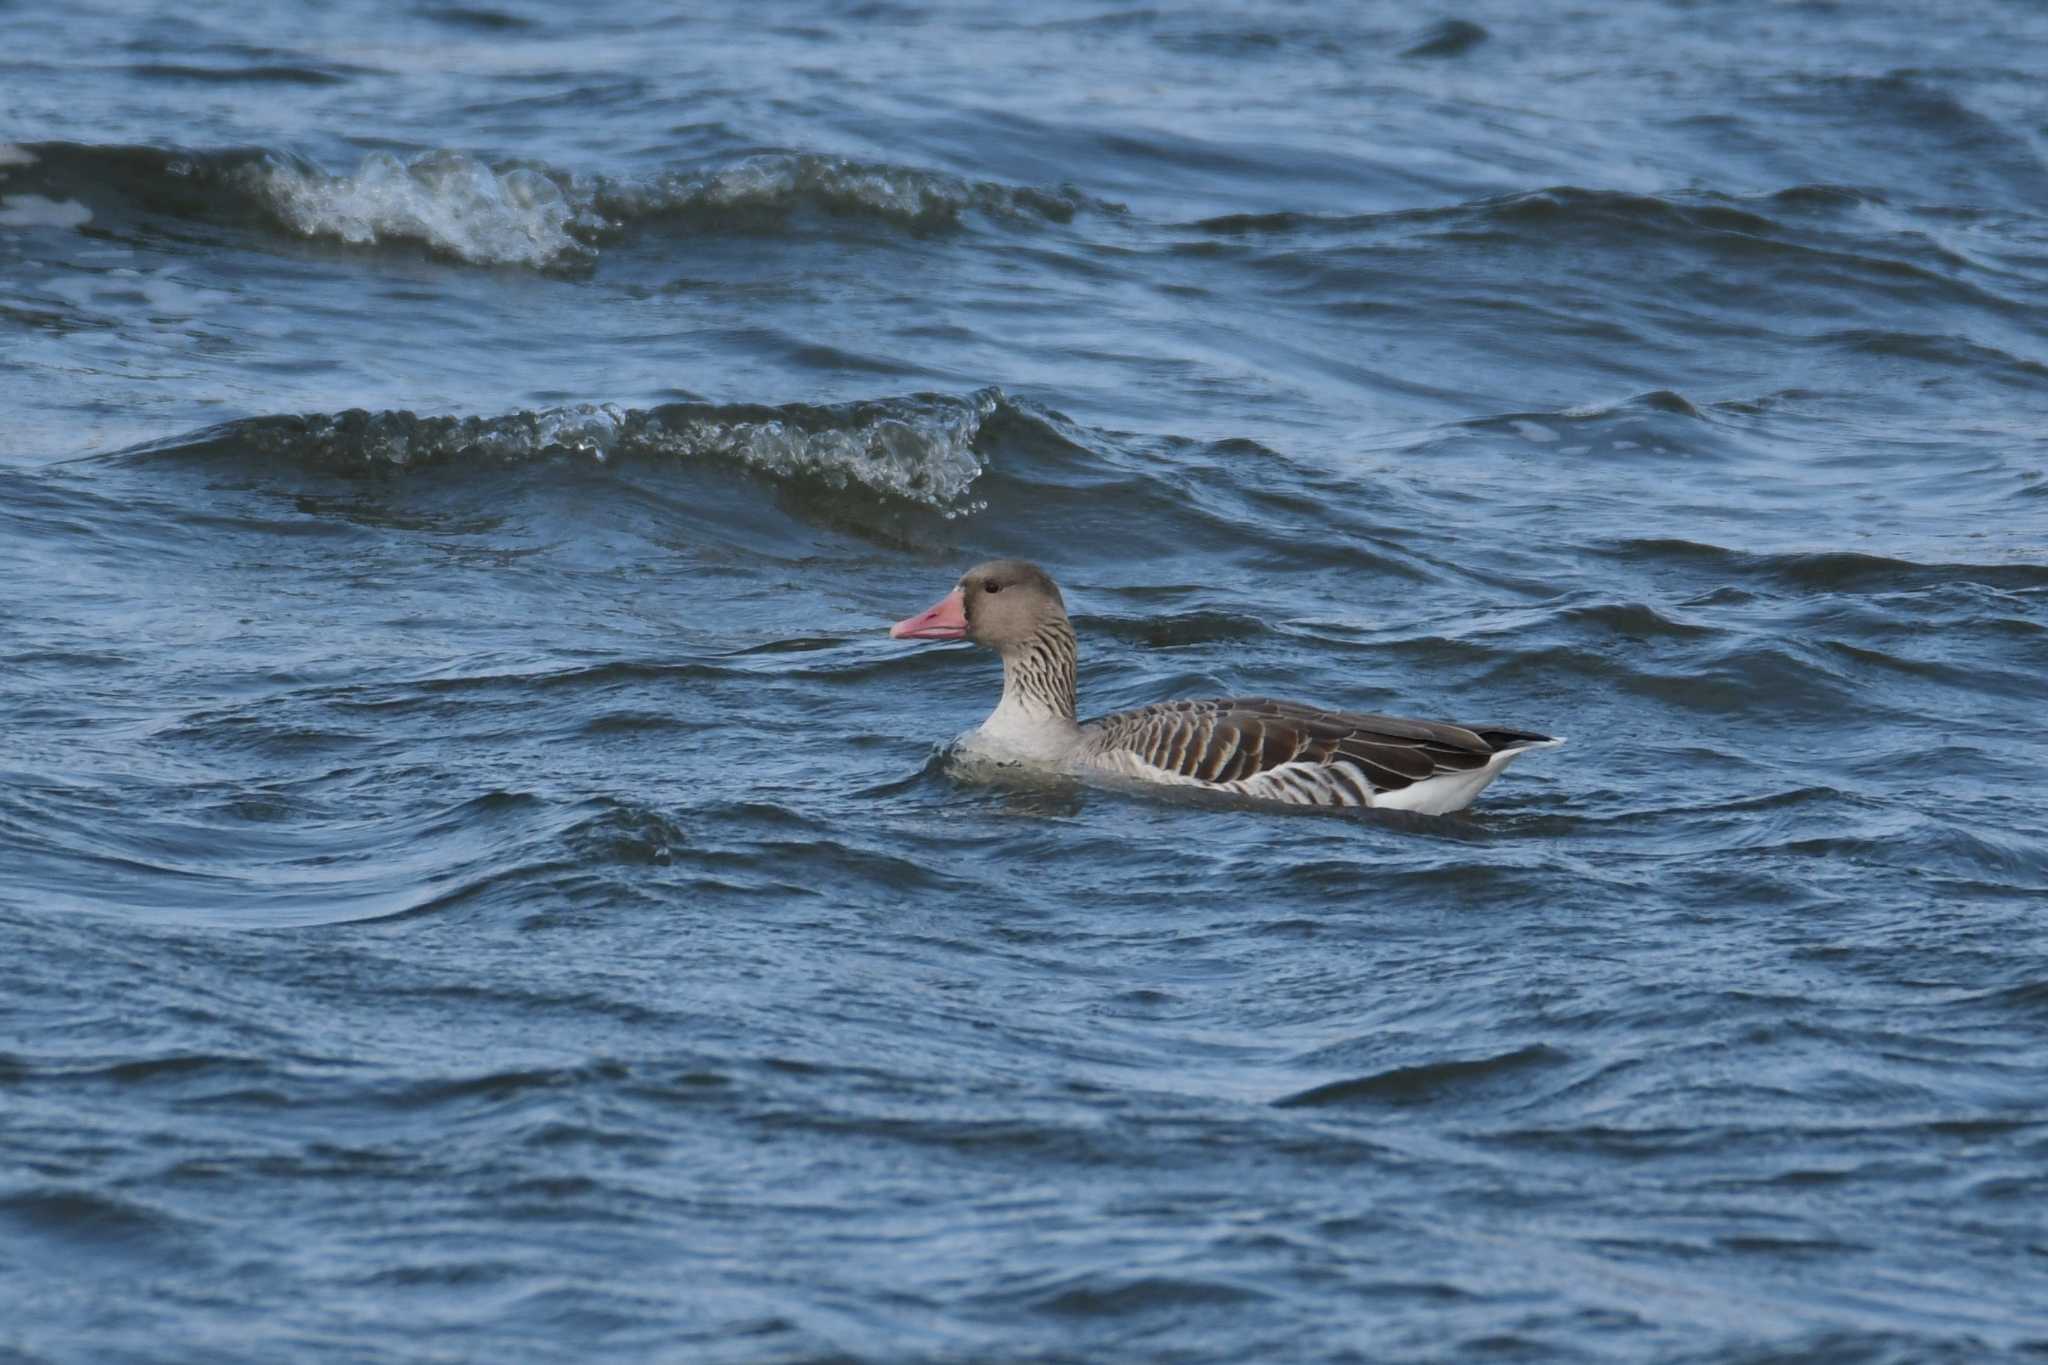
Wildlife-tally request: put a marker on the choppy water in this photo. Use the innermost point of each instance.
(477, 883)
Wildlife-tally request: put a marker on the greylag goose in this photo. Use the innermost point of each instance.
(1254, 747)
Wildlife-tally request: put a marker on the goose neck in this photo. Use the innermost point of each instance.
(1038, 674)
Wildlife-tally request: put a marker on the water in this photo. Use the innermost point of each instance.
(478, 883)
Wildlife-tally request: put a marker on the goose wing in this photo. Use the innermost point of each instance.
(1301, 752)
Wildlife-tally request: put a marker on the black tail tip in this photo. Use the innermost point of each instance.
(1517, 739)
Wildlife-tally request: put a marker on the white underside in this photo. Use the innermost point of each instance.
(1016, 734)
(1452, 791)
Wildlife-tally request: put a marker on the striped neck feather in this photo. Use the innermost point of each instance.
(1038, 674)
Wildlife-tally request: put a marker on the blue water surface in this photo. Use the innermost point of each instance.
(477, 882)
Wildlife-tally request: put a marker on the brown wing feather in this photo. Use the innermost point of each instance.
(1235, 738)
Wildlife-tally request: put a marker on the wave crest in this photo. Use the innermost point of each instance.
(523, 214)
(772, 186)
(534, 216)
(920, 447)
(449, 202)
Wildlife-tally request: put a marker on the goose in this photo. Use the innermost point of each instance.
(1255, 747)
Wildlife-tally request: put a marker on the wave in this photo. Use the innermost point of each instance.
(775, 184)
(1446, 38)
(1553, 206)
(920, 448)
(448, 202)
(1958, 352)
(1840, 571)
(278, 73)
(500, 212)
(1915, 115)
(1796, 224)
(68, 1216)
(1430, 1082)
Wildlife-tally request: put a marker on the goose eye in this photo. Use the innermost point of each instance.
(991, 586)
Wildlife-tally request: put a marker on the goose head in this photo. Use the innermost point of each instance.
(1001, 605)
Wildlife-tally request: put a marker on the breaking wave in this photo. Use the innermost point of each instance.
(446, 201)
(919, 448)
(505, 213)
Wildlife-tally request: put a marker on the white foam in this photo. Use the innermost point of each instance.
(37, 211)
(14, 154)
(926, 457)
(446, 200)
